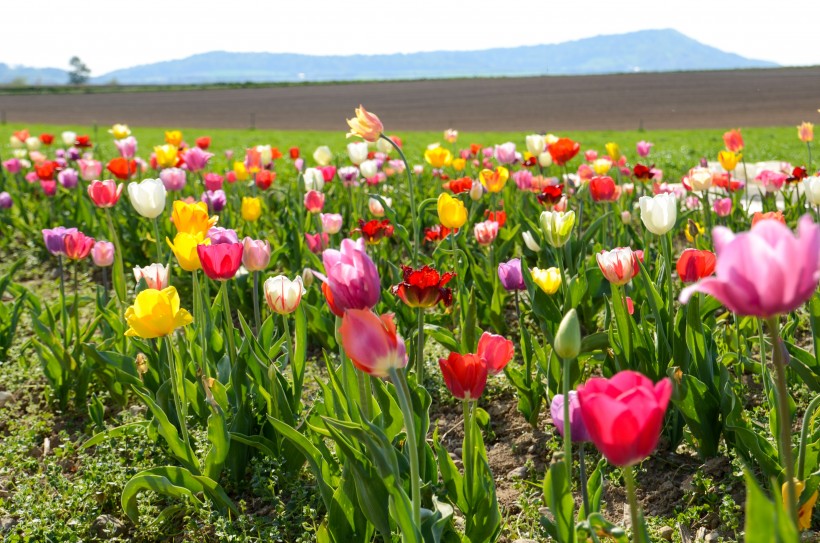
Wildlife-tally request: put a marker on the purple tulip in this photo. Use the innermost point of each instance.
(511, 276)
(216, 200)
(54, 239)
(173, 179)
(352, 276)
(219, 235)
(576, 424)
(68, 178)
(73, 153)
(5, 200)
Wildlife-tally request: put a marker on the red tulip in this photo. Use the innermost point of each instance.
(464, 374)
(424, 287)
(47, 139)
(436, 232)
(551, 194)
(83, 141)
(77, 245)
(46, 170)
(602, 189)
(694, 265)
(373, 231)
(372, 343)
(563, 150)
(122, 168)
(294, 153)
(642, 172)
(105, 193)
(496, 351)
(624, 415)
(769, 216)
(221, 261)
(458, 186)
(498, 216)
(22, 135)
(264, 179)
(204, 142)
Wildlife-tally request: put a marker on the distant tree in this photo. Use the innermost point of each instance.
(79, 73)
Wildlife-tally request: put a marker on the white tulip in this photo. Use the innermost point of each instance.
(376, 208)
(536, 143)
(369, 168)
(282, 294)
(15, 142)
(69, 138)
(148, 197)
(314, 179)
(659, 212)
(530, 242)
(700, 179)
(322, 155)
(545, 160)
(384, 146)
(476, 191)
(265, 154)
(33, 143)
(19, 153)
(811, 185)
(155, 275)
(357, 151)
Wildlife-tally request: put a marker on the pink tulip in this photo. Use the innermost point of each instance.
(89, 169)
(372, 342)
(196, 159)
(771, 181)
(590, 155)
(103, 254)
(213, 181)
(317, 242)
(155, 275)
(173, 179)
(13, 165)
(314, 201)
(127, 146)
(77, 245)
(723, 207)
(643, 148)
(256, 254)
(49, 187)
(505, 153)
(496, 350)
(485, 232)
(105, 193)
(619, 265)
(331, 222)
(352, 277)
(523, 179)
(624, 415)
(766, 271)
(328, 173)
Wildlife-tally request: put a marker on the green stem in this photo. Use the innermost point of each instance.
(157, 239)
(670, 299)
(119, 264)
(707, 213)
(365, 393)
(804, 435)
(783, 416)
(199, 322)
(456, 279)
(584, 493)
(629, 478)
(177, 376)
(289, 339)
(420, 347)
(403, 393)
(413, 210)
(467, 448)
(76, 316)
(226, 306)
(256, 315)
(567, 425)
(63, 310)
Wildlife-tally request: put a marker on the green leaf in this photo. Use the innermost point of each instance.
(559, 500)
(182, 451)
(111, 433)
(767, 521)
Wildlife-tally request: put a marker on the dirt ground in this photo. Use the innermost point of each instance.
(685, 100)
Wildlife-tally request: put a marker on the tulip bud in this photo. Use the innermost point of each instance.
(5, 200)
(568, 337)
(307, 277)
(530, 242)
(476, 191)
(322, 155)
(314, 180)
(369, 168)
(812, 188)
(282, 294)
(545, 160)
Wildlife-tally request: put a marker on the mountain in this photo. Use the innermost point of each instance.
(23, 75)
(646, 51)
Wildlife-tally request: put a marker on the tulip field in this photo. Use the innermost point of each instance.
(362, 335)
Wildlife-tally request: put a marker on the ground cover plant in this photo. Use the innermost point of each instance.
(306, 336)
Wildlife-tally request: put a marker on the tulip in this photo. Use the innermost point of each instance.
(156, 275)
(192, 218)
(264, 179)
(505, 153)
(173, 179)
(89, 169)
(68, 138)
(728, 160)
(352, 277)
(203, 142)
(496, 352)
(196, 159)
(601, 166)
(256, 254)
(366, 125)
(451, 211)
(476, 191)
(659, 212)
(322, 155)
(369, 169)
(811, 185)
(331, 222)
(77, 245)
(264, 153)
(314, 201)
(68, 178)
(218, 235)
(557, 226)
(54, 239)
(733, 141)
(619, 265)
(102, 253)
(5, 200)
(374, 231)
(624, 415)
(184, 248)
(545, 160)
(313, 179)
(494, 181)
(127, 147)
(438, 157)
(317, 242)
(536, 144)
(695, 264)
(548, 280)
(215, 199)
(485, 232)
(173, 137)
(699, 179)
(563, 150)
(805, 132)
(603, 189)
(220, 261)
(464, 374)
(166, 155)
(613, 150)
(156, 313)
(510, 274)
(104, 193)
(529, 241)
(766, 271)
(451, 135)
(240, 171)
(643, 148)
(283, 295)
(722, 207)
(376, 208)
(372, 343)
(120, 131)
(251, 208)
(13, 165)
(357, 152)
(213, 181)
(424, 287)
(578, 429)
(148, 197)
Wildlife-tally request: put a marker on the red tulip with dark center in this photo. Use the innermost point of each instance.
(798, 174)
(551, 194)
(424, 287)
(122, 168)
(642, 172)
(83, 141)
(695, 264)
(373, 231)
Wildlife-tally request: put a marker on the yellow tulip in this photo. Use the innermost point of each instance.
(805, 510)
(451, 211)
(120, 131)
(192, 218)
(459, 164)
(438, 157)
(729, 160)
(251, 208)
(548, 280)
(494, 180)
(173, 137)
(241, 171)
(693, 230)
(184, 248)
(613, 150)
(166, 155)
(805, 132)
(601, 165)
(156, 313)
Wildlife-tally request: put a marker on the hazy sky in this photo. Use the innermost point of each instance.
(111, 34)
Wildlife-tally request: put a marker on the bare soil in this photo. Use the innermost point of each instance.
(684, 100)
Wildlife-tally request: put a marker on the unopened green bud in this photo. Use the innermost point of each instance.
(568, 338)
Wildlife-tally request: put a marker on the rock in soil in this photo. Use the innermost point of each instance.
(525, 541)
(518, 473)
(666, 532)
(7, 524)
(107, 526)
(5, 397)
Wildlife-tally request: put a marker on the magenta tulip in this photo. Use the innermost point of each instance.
(352, 277)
